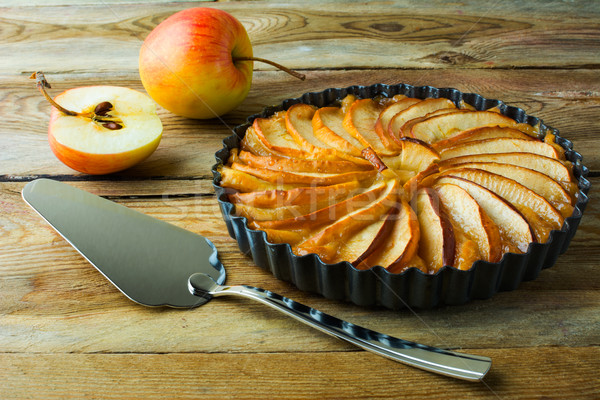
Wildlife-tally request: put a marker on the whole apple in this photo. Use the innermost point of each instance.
(197, 63)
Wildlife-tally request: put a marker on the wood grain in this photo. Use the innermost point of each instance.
(565, 100)
(66, 332)
(454, 35)
(299, 376)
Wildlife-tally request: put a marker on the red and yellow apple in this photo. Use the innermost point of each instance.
(198, 63)
(113, 128)
(194, 63)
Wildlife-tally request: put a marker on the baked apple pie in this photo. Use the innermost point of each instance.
(400, 182)
(418, 196)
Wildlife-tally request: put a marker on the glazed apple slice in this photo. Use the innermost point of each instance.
(297, 196)
(555, 169)
(540, 183)
(304, 178)
(328, 242)
(360, 121)
(386, 115)
(515, 231)
(298, 121)
(444, 126)
(399, 128)
(400, 244)
(541, 215)
(241, 181)
(273, 134)
(415, 155)
(468, 218)
(328, 127)
(288, 204)
(277, 163)
(500, 145)
(481, 133)
(437, 243)
(417, 110)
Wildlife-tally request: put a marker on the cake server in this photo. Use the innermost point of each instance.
(155, 263)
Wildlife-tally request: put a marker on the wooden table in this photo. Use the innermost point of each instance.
(65, 332)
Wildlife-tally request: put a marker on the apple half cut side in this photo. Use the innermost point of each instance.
(88, 146)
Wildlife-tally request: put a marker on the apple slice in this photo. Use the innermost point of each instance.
(88, 144)
(385, 116)
(437, 243)
(555, 169)
(326, 215)
(481, 133)
(500, 145)
(360, 121)
(328, 127)
(298, 121)
(304, 178)
(515, 231)
(400, 244)
(469, 219)
(415, 155)
(417, 110)
(244, 182)
(276, 163)
(540, 183)
(541, 215)
(443, 126)
(328, 242)
(399, 128)
(296, 196)
(272, 133)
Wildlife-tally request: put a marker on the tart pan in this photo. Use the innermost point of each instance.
(411, 288)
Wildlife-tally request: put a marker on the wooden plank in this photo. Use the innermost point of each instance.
(566, 100)
(457, 35)
(54, 301)
(558, 372)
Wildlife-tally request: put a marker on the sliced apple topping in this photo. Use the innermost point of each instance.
(400, 183)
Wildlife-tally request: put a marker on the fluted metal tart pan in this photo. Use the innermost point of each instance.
(411, 288)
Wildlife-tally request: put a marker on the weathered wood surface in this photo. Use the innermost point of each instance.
(65, 332)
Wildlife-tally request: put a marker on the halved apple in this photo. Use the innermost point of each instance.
(94, 146)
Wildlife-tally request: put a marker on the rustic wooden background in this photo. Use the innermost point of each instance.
(65, 332)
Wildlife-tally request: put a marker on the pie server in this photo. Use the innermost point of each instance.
(158, 264)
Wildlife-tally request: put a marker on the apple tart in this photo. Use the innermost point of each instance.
(402, 186)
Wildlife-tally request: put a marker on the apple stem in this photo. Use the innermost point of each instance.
(276, 65)
(42, 84)
(99, 115)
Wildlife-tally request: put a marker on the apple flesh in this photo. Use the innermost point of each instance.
(187, 63)
(87, 145)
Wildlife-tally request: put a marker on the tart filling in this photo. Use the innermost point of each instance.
(400, 182)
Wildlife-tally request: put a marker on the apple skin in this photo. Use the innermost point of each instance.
(86, 151)
(186, 63)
